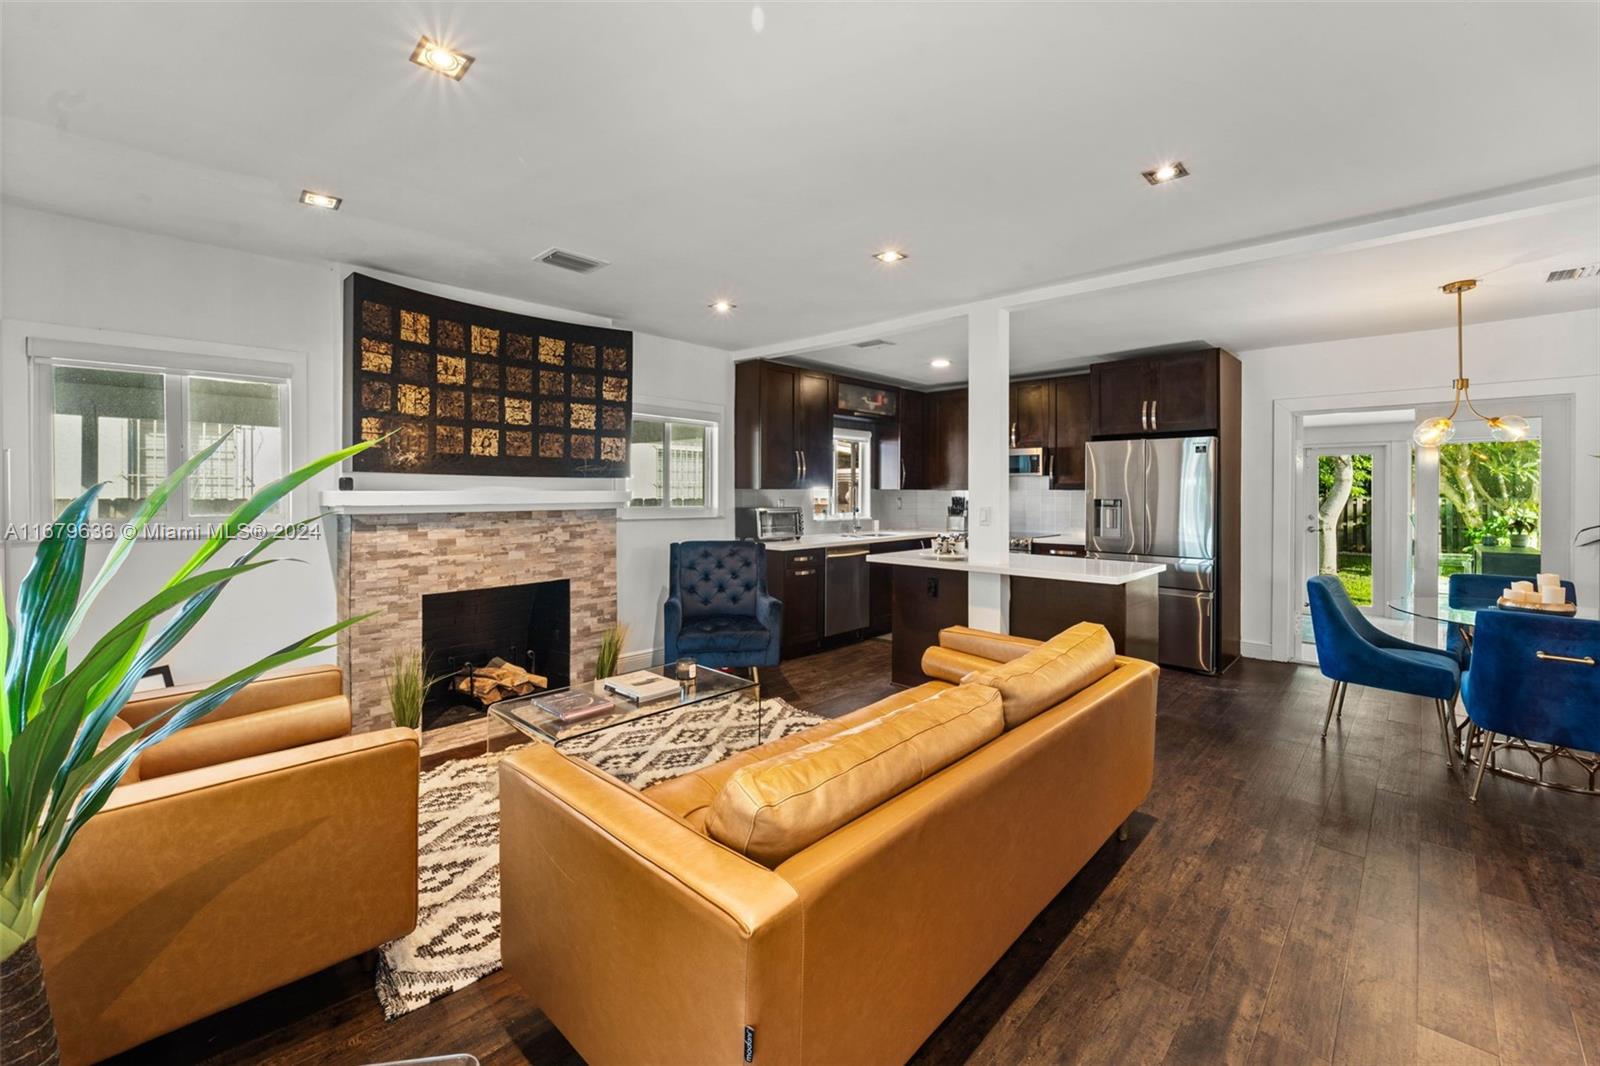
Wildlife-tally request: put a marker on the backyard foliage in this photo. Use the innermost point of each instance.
(1490, 486)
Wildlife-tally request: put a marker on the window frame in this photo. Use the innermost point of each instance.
(177, 369)
(866, 439)
(667, 417)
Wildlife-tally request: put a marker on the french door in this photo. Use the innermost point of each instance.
(1344, 526)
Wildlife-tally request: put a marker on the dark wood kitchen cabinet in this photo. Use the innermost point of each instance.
(795, 578)
(903, 449)
(782, 426)
(947, 439)
(1070, 415)
(1158, 394)
(1031, 416)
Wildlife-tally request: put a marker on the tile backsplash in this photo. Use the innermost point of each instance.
(1034, 508)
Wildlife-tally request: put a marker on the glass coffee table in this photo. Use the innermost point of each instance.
(527, 716)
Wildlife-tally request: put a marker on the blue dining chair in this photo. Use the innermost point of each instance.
(1351, 650)
(1535, 678)
(717, 608)
(1481, 592)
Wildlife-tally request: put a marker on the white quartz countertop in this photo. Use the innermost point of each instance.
(1050, 567)
(836, 540)
(1072, 538)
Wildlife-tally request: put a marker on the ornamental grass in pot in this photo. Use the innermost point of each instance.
(55, 770)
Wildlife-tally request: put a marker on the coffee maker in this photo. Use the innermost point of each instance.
(955, 516)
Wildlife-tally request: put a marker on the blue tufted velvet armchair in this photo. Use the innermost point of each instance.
(1351, 650)
(1534, 678)
(1482, 591)
(717, 608)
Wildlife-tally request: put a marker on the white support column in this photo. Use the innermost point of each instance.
(988, 442)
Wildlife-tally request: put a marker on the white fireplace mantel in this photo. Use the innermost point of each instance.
(481, 498)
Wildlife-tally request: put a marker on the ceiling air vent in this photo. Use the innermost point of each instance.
(1574, 273)
(578, 264)
(878, 343)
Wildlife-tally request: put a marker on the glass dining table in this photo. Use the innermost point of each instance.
(1438, 609)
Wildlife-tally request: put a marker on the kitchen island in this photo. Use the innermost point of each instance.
(1047, 594)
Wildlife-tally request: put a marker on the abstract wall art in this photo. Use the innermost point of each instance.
(462, 389)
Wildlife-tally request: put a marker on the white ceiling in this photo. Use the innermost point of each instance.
(999, 144)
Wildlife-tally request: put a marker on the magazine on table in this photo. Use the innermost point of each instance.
(574, 705)
(641, 686)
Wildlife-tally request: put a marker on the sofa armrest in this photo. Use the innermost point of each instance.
(209, 742)
(996, 647)
(195, 891)
(947, 664)
(641, 939)
(281, 689)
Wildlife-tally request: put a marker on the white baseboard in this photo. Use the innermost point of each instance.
(1253, 649)
(638, 660)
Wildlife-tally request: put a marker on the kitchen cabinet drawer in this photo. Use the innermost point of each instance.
(1070, 551)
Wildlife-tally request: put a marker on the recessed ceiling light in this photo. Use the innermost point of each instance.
(439, 59)
(320, 199)
(939, 364)
(1166, 172)
(890, 255)
(723, 307)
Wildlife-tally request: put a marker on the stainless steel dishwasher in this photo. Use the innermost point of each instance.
(845, 603)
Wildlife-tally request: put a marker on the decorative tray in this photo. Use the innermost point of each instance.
(1547, 608)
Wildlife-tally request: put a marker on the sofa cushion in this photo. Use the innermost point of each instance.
(209, 743)
(1054, 671)
(777, 807)
(723, 632)
(689, 796)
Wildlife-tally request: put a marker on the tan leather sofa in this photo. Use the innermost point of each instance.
(646, 939)
(244, 852)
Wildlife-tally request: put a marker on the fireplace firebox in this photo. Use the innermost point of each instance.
(526, 627)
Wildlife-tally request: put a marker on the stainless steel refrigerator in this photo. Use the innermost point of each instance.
(1156, 501)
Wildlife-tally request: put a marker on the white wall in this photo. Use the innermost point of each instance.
(69, 272)
(1547, 355)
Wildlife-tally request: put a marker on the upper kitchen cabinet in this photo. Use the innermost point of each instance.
(782, 426)
(1031, 414)
(946, 425)
(1070, 411)
(1159, 394)
(903, 446)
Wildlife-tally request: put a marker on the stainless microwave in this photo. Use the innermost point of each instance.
(1027, 462)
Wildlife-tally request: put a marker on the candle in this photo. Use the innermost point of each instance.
(1553, 594)
(1522, 586)
(1546, 580)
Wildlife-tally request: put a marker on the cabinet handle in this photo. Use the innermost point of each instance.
(1144, 414)
(801, 573)
(1153, 423)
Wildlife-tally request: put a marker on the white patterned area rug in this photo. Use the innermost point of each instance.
(457, 938)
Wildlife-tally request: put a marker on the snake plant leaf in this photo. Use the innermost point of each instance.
(256, 505)
(38, 754)
(184, 620)
(45, 603)
(128, 536)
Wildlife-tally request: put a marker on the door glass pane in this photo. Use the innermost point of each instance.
(249, 413)
(1489, 509)
(688, 467)
(647, 464)
(1344, 522)
(110, 426)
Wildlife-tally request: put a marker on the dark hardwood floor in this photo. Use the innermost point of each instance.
(1280, 900)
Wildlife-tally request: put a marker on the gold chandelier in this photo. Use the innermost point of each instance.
(1432, 432)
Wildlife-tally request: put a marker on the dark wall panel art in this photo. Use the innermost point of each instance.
(473, 390)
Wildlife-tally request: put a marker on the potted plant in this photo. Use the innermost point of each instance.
(1522, 520)
(56, 772)
(408, 683)
(605, 663)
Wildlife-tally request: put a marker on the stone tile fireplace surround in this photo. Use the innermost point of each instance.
(386, 563)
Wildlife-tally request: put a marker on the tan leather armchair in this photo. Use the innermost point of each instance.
(247, 851)
(645, 940)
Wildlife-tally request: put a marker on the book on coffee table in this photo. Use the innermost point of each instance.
(573, 705)
(642, 686)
